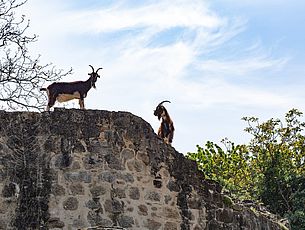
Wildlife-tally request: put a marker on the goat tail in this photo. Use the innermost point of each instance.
(43, 89)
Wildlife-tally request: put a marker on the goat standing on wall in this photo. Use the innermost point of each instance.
(166, 129)
(66, 91)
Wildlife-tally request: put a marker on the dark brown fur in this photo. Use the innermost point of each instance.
(72, 90)
(166, 129)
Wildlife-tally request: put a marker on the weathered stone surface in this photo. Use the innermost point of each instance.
(134, 193)
(77, 189)
(157, 183)
(173, 186)
(55, 223)
(118, 192)
(113, 162)
(167, 199)
(153, 196)
(142, 210)
(171, 213)
(3, 224)
(72, 169)
(97, 191)
(126, 221)
(82, 176)
(196, 203)
(143, 157)
(152, 224)
(127, 154)
(114, 206)
(79, 224)
(70, 204)
(58, 190)
(94, 204)
(225, 215)
(112, 176)
(9, 190)
(96, 219)
(171, 226)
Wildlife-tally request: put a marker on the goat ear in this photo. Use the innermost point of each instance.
(89, 73)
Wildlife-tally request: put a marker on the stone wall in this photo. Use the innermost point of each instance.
(73, 169)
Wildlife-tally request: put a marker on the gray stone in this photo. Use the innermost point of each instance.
(9, 190)
(108, 177)
(97, 191)
(167, 199)
(55, 223)
(196, 203)
(127, 154)
(82, 176)
(113, 162)
(79, 223)
(36, 151)
(125, 221)
(170, 226)
(118, 192)
(173, 186)
(3, 224)
(143, 210)
(143, 157)
(157, 183)
(153, 196)
(70, 204)
(152, 224)
(138, 166)
(128, 177)
(76, 165)
(114, 206)
(171, 213)
(112, 176)
(58, 190)
(225, 215)
(94, 205)
(134, 193)
(95, 219)
(77, 189)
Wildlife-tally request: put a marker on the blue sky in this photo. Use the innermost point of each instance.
(216, 61)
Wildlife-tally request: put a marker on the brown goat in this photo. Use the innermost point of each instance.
(166, 129)
(66, 91)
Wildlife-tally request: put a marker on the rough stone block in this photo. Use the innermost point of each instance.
(97, 191)
(143, 210)
(126, 221)
(58, 190)
(134, 193)
(151, 224)
(70, 204)
(77, 189)
(171, 226)
(152, 196)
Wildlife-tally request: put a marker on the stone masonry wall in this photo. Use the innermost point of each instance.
(74, 169)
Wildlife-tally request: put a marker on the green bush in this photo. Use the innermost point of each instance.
(269, 169)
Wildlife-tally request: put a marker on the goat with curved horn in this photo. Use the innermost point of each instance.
(161, 103)
(66, 91)
(98, 69)
(91, 68)
(166, 129)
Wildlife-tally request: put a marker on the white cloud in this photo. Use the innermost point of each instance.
(158, 15)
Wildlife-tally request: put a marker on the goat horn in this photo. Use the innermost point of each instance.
(92, 68)
(163, 102)
(98, 69)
